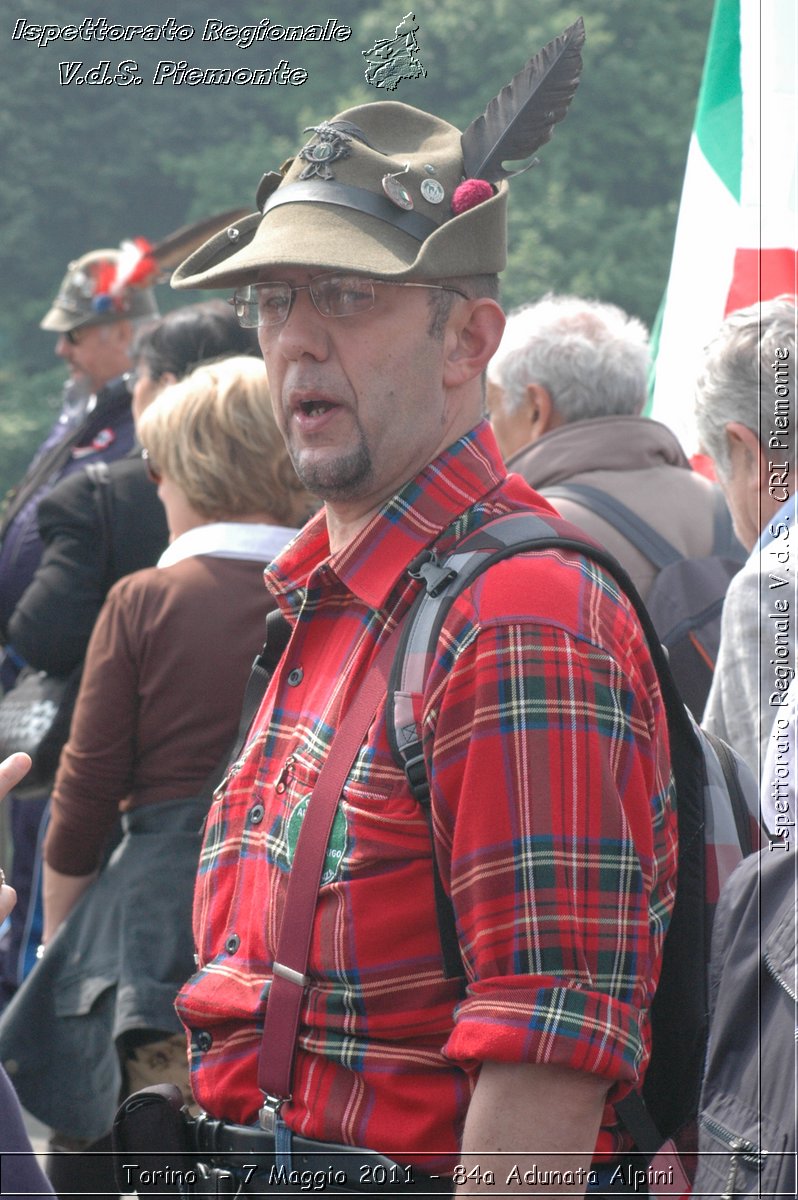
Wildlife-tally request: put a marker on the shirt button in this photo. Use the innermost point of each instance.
(204, 1041)
(295, 677)
(232, 943)
(256, 814)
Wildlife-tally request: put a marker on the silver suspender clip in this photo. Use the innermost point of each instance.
(291, 975)
(267, 1116)
(272, 1104)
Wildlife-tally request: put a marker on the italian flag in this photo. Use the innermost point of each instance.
(737, 231)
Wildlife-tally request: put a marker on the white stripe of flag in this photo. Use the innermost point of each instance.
(737, 231)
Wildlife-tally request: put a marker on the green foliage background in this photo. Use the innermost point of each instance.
(86, 166)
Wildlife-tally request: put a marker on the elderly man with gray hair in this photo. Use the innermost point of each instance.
(746, 414)
(566, 390)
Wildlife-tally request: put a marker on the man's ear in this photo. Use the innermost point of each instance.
(543, 416)
(472, 337)
(747, 454)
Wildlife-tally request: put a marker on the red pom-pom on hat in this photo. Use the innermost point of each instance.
(469, 194)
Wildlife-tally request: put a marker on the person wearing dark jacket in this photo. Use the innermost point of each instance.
(21, 1173)
(94, 315)
(102, 297)
(95, 532)
(97, 528)
(747, 1144)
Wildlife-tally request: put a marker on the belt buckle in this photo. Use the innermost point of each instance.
(269, 1110)
(213, 1181)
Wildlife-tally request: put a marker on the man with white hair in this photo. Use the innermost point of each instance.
(746, 413)
(566, 390)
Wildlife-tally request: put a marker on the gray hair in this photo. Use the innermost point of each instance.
(592, 358)
(748, 376)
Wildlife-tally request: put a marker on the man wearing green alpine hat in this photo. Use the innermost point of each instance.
(370, 272)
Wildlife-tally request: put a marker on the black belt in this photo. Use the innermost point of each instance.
(363, 1170)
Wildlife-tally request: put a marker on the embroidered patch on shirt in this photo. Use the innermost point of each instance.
(336, 846)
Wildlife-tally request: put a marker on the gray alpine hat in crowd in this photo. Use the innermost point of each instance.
(104, 286)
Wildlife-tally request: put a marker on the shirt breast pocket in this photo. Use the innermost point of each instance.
(377, 822)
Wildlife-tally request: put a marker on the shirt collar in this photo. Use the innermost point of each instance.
(785, 517)
(370, 565)
(228, 539)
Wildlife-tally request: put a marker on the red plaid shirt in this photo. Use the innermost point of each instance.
(546, 747)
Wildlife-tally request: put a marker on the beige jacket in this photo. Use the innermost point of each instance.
(637, 461)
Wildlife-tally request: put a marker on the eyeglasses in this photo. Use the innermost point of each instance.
(153, 471)
(265, 304)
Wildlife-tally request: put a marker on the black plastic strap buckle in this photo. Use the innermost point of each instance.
(435, 577)
(416, 772)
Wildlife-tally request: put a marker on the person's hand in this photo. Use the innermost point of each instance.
(12, 770)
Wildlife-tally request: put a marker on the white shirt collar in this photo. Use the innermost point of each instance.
(229, 539)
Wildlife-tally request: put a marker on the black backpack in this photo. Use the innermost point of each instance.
(717, 807)
(686, 597)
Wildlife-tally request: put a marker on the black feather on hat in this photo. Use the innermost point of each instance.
(390, 191)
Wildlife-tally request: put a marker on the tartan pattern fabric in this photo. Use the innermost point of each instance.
(546, 747)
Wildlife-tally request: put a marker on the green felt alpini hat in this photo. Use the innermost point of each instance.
(387, 190)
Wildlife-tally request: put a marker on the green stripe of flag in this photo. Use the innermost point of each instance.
(719, 116)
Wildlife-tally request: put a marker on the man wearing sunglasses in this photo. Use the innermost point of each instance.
(370, 271)
(94, 314)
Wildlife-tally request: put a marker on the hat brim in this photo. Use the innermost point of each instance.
(59, 319)
(329, 237)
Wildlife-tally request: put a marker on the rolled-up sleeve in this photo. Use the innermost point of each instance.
(551, 798)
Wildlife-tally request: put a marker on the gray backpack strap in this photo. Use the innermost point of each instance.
(652, 545)
(444, 581)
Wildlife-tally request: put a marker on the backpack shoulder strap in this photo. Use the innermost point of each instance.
(680, 1004)
(444, 581)
(278, 632)
(513, 533)
(651, 544)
